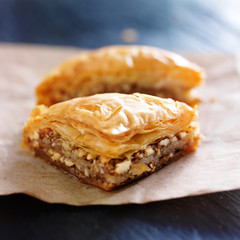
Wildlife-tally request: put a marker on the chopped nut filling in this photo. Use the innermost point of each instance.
(149, 151)
(182, 134)
(87, 166)
(164, 142)
(123, 167)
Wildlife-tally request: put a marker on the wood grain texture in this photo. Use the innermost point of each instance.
(213, 216)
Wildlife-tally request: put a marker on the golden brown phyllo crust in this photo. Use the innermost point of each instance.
(111, 139)
(123, 69)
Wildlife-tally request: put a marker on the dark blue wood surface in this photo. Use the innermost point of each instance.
(199, 25)
(193, 25)
(213, 216)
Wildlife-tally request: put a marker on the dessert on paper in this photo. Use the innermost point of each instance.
(111, 139)
(213, 167)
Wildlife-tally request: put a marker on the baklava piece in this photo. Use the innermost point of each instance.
(109, 140)
(123, 69)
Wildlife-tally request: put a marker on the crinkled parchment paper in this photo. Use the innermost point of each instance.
(215, 166)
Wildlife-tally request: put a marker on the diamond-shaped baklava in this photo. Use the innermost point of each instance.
(109, 140)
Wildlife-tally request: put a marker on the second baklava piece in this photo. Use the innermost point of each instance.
(122, 69)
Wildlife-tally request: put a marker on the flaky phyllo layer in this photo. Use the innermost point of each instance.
(112, 125)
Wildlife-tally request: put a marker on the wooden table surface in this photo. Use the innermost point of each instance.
(200, 26)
